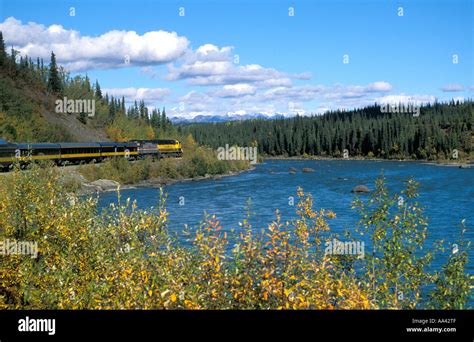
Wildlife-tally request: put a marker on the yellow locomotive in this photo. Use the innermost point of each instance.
(166, 147)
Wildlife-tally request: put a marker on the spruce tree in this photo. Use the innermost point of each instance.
(3, 52)
(163, 119)
(98, 92)
(54, 81)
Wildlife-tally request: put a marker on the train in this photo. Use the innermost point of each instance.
(77, 153)
(167, 147)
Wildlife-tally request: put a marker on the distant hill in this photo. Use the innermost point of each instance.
(226, 118)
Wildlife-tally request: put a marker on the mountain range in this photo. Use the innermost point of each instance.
(227, 117)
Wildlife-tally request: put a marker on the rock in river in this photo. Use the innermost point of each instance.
(308, 169)
(360, 188)
(105, 184)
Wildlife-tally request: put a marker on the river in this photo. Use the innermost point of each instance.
(447, 193)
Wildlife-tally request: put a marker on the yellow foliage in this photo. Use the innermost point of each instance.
(125, 259)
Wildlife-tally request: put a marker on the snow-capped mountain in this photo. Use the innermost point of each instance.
(227, 117)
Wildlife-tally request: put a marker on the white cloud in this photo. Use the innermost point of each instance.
(236, 90)
(454, 87)
(379, 86)
(132, 94)
(212, 52)
(321, 92)
(109, 50)
(210, 65)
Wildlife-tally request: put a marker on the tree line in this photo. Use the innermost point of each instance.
(440, 131)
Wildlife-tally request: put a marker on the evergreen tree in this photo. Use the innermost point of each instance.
(112, 109)
(54, 81)
(163, 123)
(3, 52)
(98, 92)
(155, 119)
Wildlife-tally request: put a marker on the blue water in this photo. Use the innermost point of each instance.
(447, 193)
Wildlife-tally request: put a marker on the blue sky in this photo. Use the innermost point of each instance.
(242, 57)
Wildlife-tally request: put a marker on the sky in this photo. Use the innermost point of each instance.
(244, 57)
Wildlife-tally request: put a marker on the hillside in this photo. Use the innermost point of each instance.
(28, 110)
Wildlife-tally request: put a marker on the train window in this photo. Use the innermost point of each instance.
(45, 152)
(7, 154)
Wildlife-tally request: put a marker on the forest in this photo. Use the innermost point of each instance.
(441, 131)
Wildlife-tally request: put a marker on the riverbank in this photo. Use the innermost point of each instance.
(104, 185)
(197, 163)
